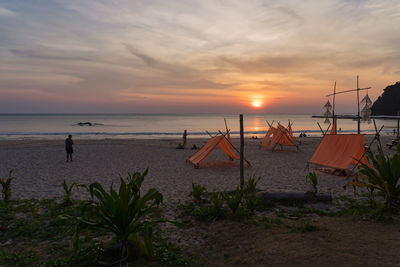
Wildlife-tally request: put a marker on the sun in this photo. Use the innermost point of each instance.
(257, 103)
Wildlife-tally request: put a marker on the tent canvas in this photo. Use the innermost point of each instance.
(266, 138)
(339, 151)
(278, 136)
(334, 127)
(206, 150)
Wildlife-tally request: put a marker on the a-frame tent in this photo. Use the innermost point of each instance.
(340, 151)
(278, 136)
(197, 158)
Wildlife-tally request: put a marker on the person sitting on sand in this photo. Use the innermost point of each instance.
(68, 147)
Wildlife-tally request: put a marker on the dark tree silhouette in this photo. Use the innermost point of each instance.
(389, 102)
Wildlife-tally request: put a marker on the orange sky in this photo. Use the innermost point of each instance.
(194, 56)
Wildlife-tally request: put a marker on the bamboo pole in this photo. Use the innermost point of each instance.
(241, 152)
(229, 142)
(334, 98)
(358, 108)
(226, 126)
(351, 90)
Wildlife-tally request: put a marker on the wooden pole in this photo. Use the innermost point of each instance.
(241, 152)
(229, 142)
(358, 108)
(334, 97)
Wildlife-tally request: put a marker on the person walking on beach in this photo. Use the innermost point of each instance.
(68, 147)
(184, 138)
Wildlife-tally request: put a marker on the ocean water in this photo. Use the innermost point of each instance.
(148, 126)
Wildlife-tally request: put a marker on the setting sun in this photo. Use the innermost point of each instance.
(257, 103)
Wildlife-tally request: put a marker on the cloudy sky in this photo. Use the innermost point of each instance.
(194, 56)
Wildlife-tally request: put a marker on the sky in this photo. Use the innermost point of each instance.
(205, 56)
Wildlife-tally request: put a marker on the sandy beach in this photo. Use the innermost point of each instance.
(40, 167)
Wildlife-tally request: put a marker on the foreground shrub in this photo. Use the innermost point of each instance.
(68, 191)
(250, 199)
(251, 185)
(6, 187)
(198, 191)
(126, 213)
(218, 204)
(384, 176)
(234, 199)
(312, 179)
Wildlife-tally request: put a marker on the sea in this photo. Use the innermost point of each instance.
(162, 126)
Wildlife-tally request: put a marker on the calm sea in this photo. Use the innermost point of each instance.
(148, 126)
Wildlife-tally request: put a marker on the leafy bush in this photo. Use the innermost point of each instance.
(68, 191)
(384, 176)
(125, 213)
(6, 187)
(218, 203)
(234, 199)
(312, 179)
(198, 191)
(250, 202)
(251, 185)
(250, 199)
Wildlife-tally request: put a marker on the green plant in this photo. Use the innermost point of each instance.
(218, 203)
(250, 202)
(250, 199)
(126, 213)
(312, 179)
(234, 199)
(6, 187)
(251, 185)
(384, 176)
(68, 191)
(198, 191)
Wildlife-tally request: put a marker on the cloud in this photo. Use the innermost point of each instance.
(199, 49)
(6, 12)
(49, 54)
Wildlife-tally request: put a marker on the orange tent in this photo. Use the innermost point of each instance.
(267, 137)
(334, 127)
(289, 133)
(339, 151)
(205, 150)
(290, 129)
(277, 136)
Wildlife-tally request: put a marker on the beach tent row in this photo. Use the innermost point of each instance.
(279, 136)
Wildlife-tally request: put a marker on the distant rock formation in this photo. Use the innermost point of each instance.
(88, 124)
(389, 102)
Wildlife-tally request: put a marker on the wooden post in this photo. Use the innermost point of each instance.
(241, 152)
(358, 108)
(334, 98)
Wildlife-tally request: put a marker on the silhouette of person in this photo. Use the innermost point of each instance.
(184, 138)
(68, 147)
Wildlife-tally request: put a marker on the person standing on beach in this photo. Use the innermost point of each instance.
(68, 147)
(184, 138)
